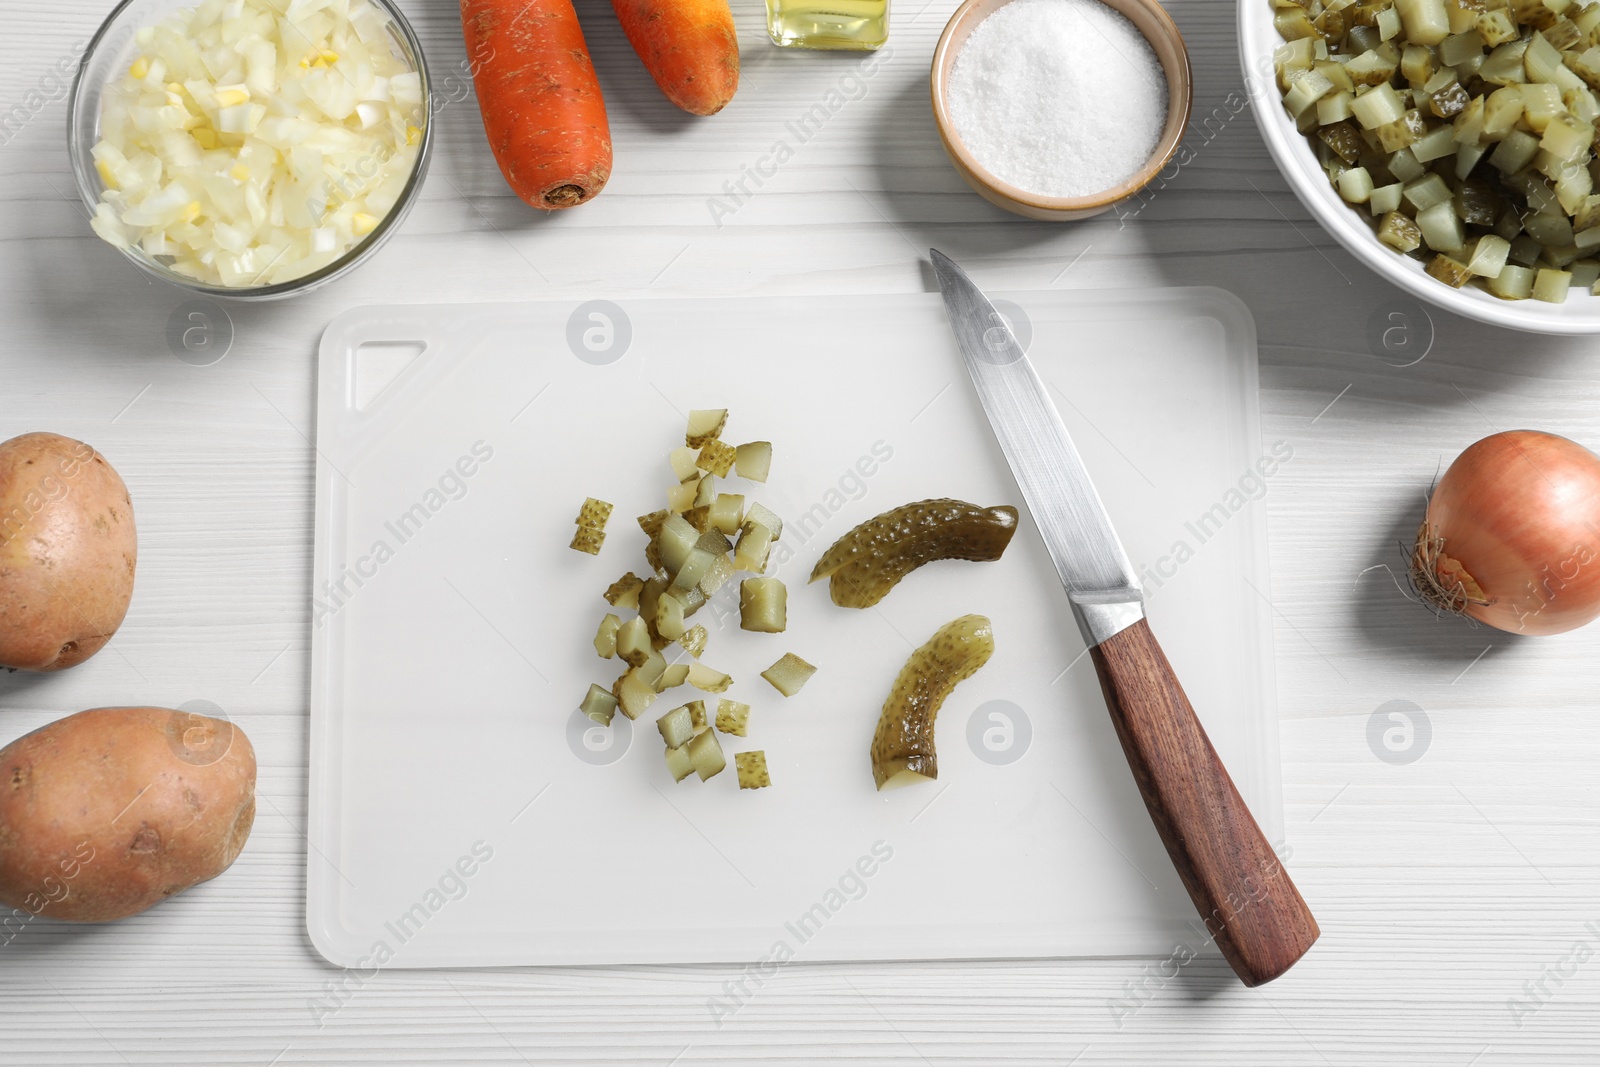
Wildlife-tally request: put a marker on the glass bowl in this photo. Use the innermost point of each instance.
(109, 54)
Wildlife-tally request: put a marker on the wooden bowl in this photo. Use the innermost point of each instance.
(1152, 20)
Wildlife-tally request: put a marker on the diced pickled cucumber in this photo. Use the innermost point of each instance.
(675, 675)
(753, 460)
(717, 457)
(1355, 185)
(755, 544)
(624, 592)
(683, 465)
(705, 752)
(633, 641)
(1399, 232)
(675, 541)
(676, 727)
(699, 518)
(1489, 256)
(715, 578)
(679, 765)
(705, 491)
(633, 693)
(752, 769)
(653, 669)
(694, 641)
(592, 518)
(726, 512)
(680, 498)
(733, 717)
(669, 617)
(651, 524)
(697, 714)
(705, 425)
(1585, 272)
(708, 679)
(605, 639)
(1447, 270)
(789, 675)
(1441, 228)
(649, 598)
(1513, 283)
(599, 705)
(763, 605)
(1551, 286)
(761, 515)
(710, 547)
(1343, 139)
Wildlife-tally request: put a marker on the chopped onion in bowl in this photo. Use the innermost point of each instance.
(253, 142)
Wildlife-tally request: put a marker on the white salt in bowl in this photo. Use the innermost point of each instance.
(1151, 20)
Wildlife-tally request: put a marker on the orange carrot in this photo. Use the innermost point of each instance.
(540, 100)
(689, 47)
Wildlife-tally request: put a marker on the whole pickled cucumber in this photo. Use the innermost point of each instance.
(870, 560)
(902, 748)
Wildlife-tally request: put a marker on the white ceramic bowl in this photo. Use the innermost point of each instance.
(1350, 225)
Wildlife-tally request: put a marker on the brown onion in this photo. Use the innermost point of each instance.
(1512, 535)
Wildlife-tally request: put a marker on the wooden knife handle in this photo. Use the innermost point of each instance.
(1246, 898)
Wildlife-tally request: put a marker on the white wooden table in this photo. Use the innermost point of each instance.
(1459, 893)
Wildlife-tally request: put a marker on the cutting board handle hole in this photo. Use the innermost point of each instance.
(377, 365)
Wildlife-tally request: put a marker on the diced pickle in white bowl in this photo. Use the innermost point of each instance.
(1448, 144)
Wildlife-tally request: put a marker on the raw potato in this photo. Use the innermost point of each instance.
(789, 675)
(67, 552)
(108, 812)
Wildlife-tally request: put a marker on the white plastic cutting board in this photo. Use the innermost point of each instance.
(462, 815)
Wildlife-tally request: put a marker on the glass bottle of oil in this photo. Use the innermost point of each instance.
(859, 25)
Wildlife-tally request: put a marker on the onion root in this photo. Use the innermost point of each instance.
(1441, 581)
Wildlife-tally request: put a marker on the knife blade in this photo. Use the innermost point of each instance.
(1247, 900)
(1089, 557)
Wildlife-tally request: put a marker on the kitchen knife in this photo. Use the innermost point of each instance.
(1247, 900)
